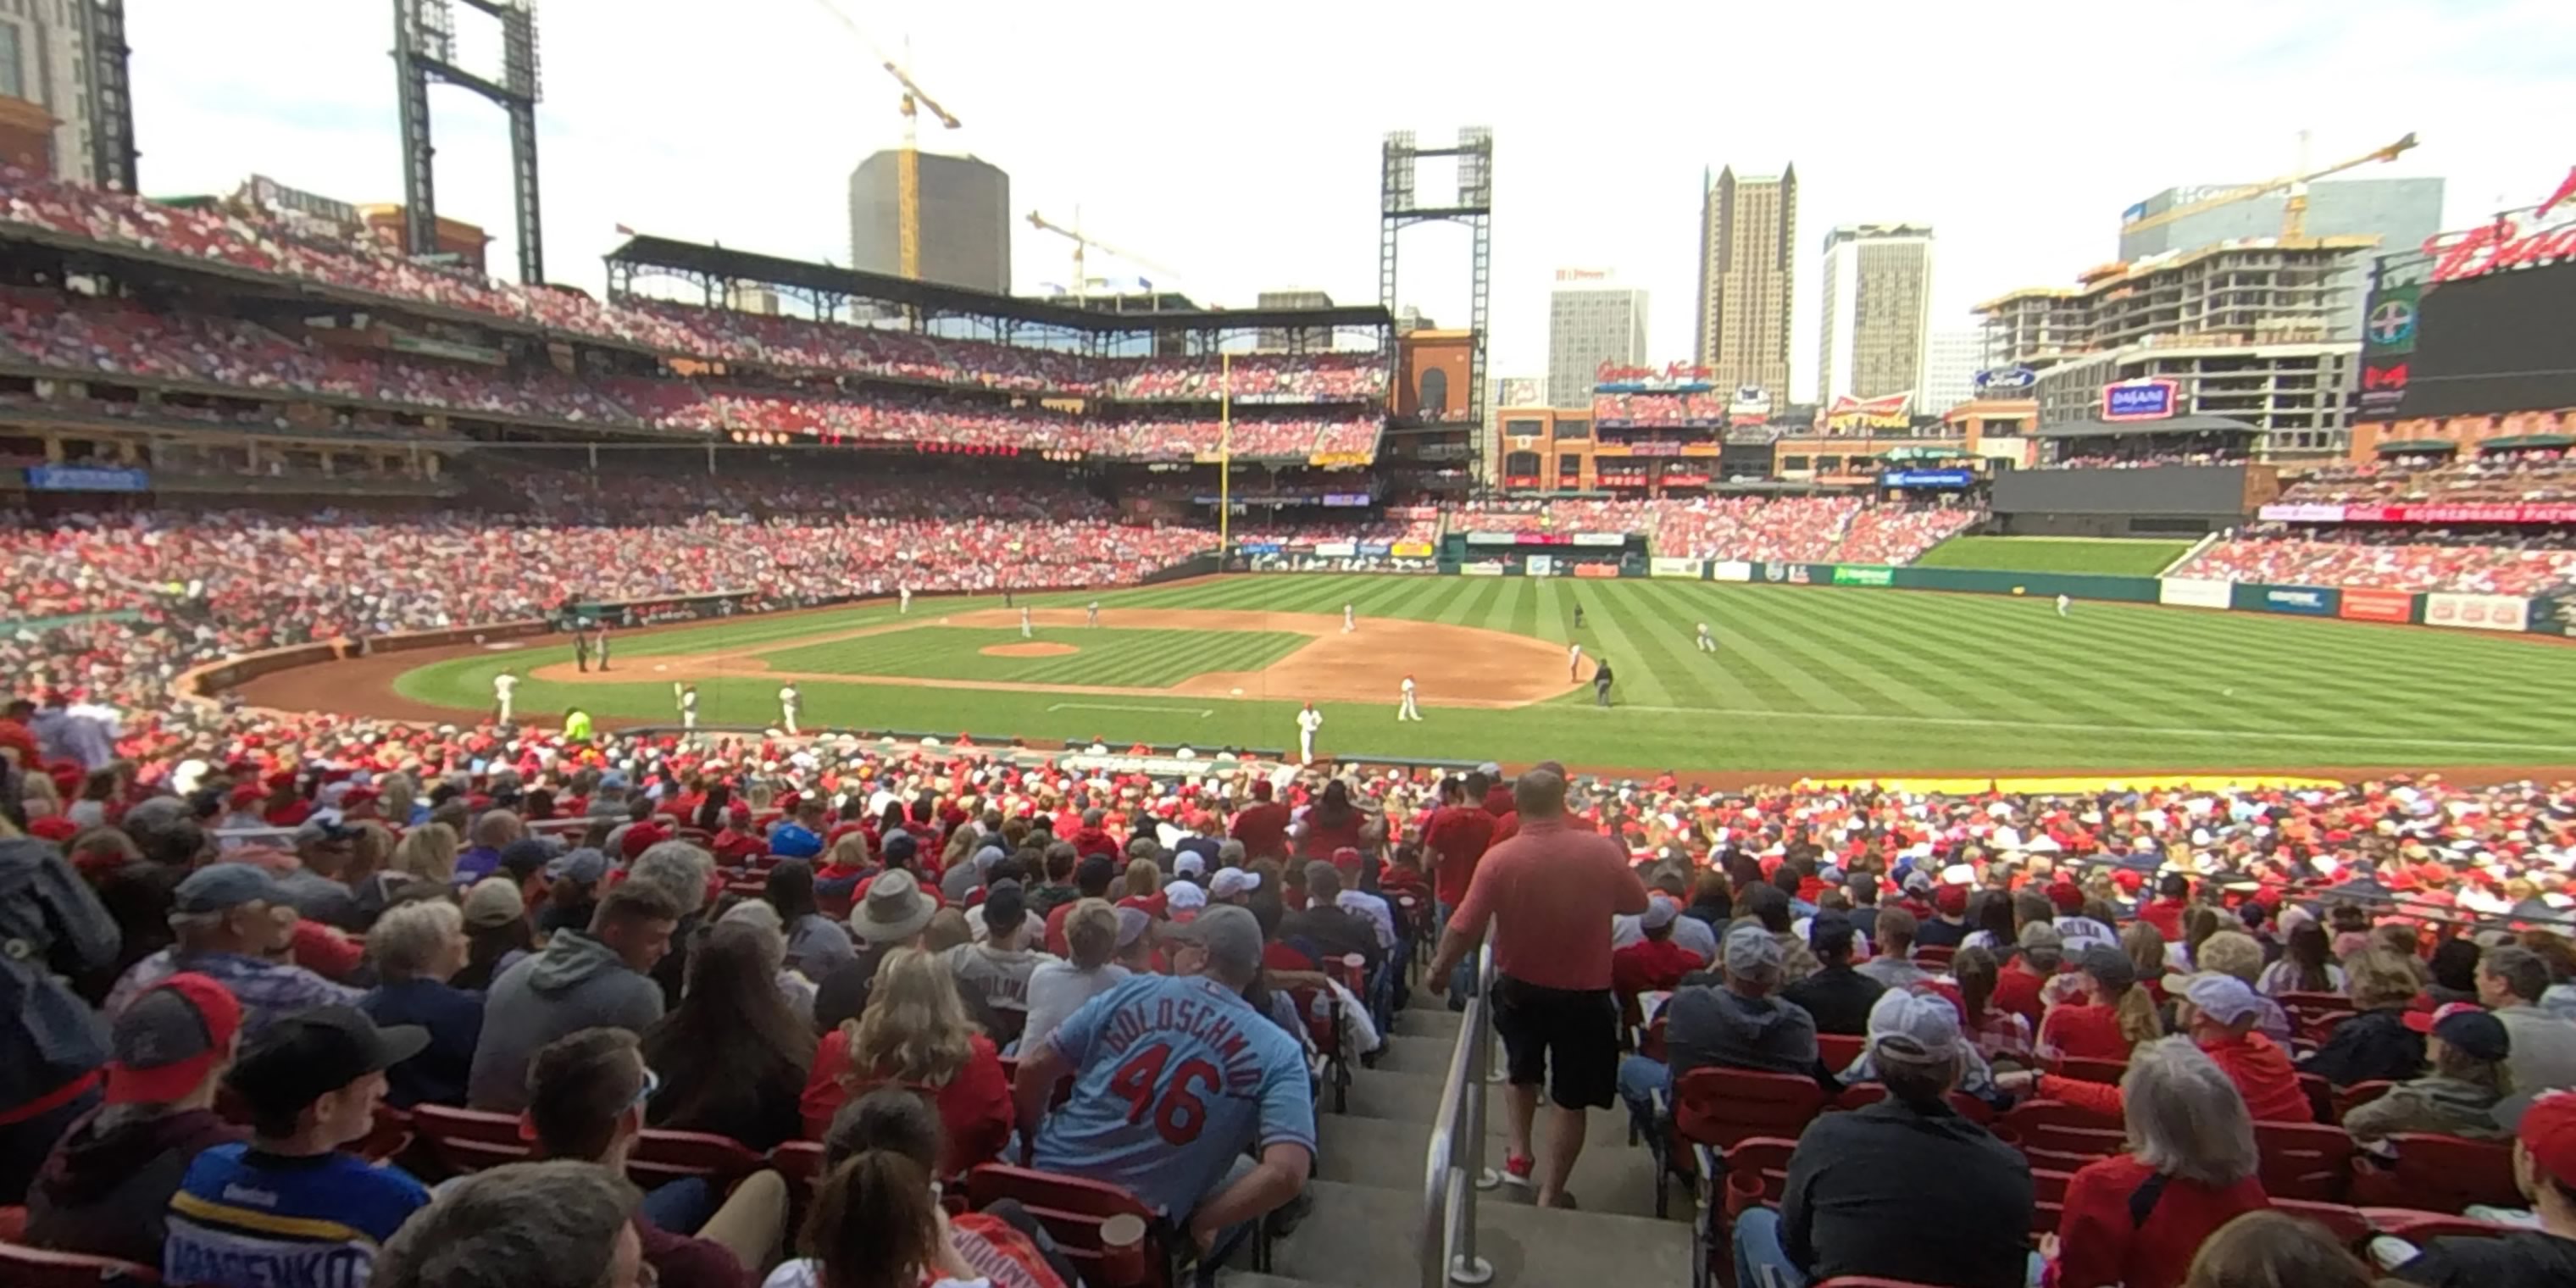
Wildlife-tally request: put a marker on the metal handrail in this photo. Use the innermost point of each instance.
(1454, 1162)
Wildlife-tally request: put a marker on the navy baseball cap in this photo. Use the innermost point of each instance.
(220, 887)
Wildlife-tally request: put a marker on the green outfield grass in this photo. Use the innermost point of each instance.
(2131, 558)
(1110, 657)
(1809, 679)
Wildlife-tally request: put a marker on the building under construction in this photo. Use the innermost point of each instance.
(2247, 330)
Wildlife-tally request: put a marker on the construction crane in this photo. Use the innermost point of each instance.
(1081, 242)
(2294, 215)
(907, 216)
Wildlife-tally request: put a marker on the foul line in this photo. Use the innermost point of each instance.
(1204, 712)
(2113, 731)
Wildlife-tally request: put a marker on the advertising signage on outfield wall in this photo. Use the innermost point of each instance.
(1662, 566)
(1600, 571)
(1847, 575)
(2477, 612)
(2465, 513)
(2362, 605)
(1614, 540)
(2313, 601)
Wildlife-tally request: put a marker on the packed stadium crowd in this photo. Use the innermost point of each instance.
(2410, 559)
(2496, 478)
(1795, 529)
(255, 973)
(120, 338)
(359, 263)
(1704, 408)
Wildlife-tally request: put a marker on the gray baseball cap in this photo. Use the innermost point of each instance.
(1918, 1027)
(1230, 934)
(1751, 953)
(220, 886)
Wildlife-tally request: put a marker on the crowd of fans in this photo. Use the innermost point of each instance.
(2410, 559)
(1819, 529)
(237, 964)
(2500, 478)
(120, 338)
(242, 241)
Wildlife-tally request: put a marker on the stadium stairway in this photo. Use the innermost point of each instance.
(1364, 1231)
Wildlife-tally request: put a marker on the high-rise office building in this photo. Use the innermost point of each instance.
(1950, 365)
(1878, 311)
(965, 220)
(1748, 232)
(1589, 323)
(2401, 213)
(44, 90)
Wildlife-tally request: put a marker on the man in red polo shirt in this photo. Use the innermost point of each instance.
(1263, 825)
(1549, 895)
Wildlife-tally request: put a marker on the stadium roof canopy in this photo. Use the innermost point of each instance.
(2416, 447)
(809, 280)
(2527, 442)
(2147, 428)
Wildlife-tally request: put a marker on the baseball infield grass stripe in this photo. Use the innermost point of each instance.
(1463, 599)
(1773, 653)
(1603, 621)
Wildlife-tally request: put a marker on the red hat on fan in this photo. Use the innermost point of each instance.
(2066, 897)
(166, 1041)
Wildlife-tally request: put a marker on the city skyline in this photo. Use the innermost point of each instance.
(633, 131)
(1748, 279)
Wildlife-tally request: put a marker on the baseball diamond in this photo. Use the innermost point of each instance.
(1815, 680)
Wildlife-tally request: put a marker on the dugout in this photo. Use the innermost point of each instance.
(2185, 476)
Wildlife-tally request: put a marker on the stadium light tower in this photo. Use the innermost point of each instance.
(110, 101)
(425, 47)
(1400, 208)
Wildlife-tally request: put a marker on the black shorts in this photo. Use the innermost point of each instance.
(1573, 1033)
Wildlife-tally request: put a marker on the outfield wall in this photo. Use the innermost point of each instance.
(2506, 613)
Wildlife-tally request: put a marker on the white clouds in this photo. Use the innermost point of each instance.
(1238, 144)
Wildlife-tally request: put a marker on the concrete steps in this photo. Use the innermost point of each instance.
(1365, 1229)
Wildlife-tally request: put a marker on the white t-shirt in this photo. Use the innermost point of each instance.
(800, 1274)
(1058, 989)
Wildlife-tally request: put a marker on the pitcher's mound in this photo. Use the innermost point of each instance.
(1034, 648)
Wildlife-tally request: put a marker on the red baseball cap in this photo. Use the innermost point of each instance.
(2548, 1130)
(166, 1041)
(2423, 1021)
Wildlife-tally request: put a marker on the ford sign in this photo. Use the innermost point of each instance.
(2141, 400)
(2006, 378)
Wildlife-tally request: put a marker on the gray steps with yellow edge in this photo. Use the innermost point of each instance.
(1365, 1228)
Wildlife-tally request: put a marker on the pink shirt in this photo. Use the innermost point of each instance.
(1551, 891)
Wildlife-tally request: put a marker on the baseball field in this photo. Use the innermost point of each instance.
(1809, 680)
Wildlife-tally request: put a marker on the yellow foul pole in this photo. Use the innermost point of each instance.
(1224, 457)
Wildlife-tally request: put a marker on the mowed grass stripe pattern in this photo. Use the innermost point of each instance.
(1807, 679)
(1107, 657)
(2113, 556)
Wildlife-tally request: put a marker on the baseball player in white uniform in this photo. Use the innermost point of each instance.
(502, 686)
(1407, 710)
(1025, 632)
(1349, 623)
(1707, 642)
(689, 707)
(1308, 721)
(1091, 615)
(905, 594)
(788, 702)
(1574, 661)
(2063, 603)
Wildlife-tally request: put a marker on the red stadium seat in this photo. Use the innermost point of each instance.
(2108, 1072)
(1933, 958)
(2418, 1227)
(469, 1140)
(661, 1157)
(1072, 1208)
(2061, 1137)
(800, 1164)
(390, 1135)
(2437, 1174)
(1863, 1095)
(2304, 1161)
(2350, 1225)
(1839, 1050)
(1717, 1108)
(25, 1267)
(2347, 1099)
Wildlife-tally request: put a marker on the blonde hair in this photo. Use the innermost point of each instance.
(399, 794)
(2231, 952)
(407, 940)
(1144, 879)
(914, 1029)
(1091, 931)
(2377, 978)
(851, 851)
(427, 852)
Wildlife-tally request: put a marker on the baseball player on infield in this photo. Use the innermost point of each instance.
(1308, 721)
(1407, 710)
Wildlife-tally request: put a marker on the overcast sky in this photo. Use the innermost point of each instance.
(1237, 145)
